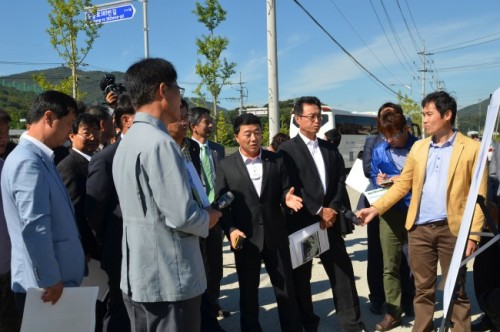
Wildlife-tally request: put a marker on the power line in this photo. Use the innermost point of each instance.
(414, 25)
(364, 43)
(401, 47)
(24, 63)
(388, 40)
(407, 27)
(455, 47)
(345, 50)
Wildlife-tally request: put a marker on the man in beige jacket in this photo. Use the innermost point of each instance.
(438, 171)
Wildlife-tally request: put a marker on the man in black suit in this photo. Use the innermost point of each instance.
(74, 169)
(105, 218)
(201, 125)
(259, 181)
(317, 169)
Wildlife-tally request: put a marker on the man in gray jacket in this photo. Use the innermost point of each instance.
(162, 269)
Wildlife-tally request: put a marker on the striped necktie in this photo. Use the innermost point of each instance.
(208, 175)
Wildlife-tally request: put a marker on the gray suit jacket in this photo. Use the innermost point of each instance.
(46, 247)
(162, 222)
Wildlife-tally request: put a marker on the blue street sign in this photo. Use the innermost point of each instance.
(109, 15)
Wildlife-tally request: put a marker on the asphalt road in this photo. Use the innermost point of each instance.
(356, 244)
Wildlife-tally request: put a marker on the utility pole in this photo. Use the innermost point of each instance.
(272, 69)
(423, 71)
(145, 27)
(241, 90)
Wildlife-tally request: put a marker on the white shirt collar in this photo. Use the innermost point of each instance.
(307, 140)
(45, 149)
(201, 144)
(84, 155)
(245, 158)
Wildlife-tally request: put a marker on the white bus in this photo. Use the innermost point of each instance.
(354, 127)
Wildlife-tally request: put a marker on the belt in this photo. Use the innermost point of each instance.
(437, 223)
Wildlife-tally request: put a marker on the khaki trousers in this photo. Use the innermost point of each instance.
(427, 245)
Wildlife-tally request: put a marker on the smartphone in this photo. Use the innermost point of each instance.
(386, 183)
(239, 243)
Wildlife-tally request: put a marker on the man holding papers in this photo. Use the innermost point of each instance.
(318, 170)
(259, 182)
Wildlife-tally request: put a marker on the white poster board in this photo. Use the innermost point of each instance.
(307, 243)
(75, 311)
(465, 226)
(356, 178)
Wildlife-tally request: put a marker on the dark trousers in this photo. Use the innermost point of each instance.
(487, 281)
(338, 267)
(211, 249)
(116, 317)
(279, 267)
(10, 320)
(181, 316)
(375, 263)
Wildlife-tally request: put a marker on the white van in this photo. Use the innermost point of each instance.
(354, 127)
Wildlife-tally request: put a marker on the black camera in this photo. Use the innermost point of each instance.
(108, 84)
(350, 216)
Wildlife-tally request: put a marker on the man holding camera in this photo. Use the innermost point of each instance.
(260, 183)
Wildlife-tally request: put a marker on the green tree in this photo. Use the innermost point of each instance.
(223, 131)
(66, 85)
(65, 30)
(215, 71)
(411, 108)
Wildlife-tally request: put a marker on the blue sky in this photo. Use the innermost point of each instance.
(309, 62)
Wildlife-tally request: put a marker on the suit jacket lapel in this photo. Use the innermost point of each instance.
(266, 164)
(455, 157)
(326, 160)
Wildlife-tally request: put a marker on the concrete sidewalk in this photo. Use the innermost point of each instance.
(356, 244)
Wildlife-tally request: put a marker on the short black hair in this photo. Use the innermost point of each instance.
(101, 112)
(185, 104)
(245, 119)
(443, 102)
(86, 119)
(145, 76)
(298, 107)
(278, 139)
(333, 136)
(196, 113)
(59, 103)
(123, 106)
(5, 117)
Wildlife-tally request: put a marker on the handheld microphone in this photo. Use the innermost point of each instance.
(223, 201)
(349, 215)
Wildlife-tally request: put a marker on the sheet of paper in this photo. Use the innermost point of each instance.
(75, 311)
(198, 186)
(307, 243)
(97, 278)
(373, 195)
(356, 178)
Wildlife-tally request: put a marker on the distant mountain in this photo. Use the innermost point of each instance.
(473, 117)
(18, 91)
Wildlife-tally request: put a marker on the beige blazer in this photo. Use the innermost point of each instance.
(462, 165)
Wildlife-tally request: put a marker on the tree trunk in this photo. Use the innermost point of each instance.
(216, 118)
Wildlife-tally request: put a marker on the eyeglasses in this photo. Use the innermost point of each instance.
(392, 138)
(181, 90)
(89, 135)
(312, 117)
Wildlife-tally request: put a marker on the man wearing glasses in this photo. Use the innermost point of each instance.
(162, 268)
(318, 169)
